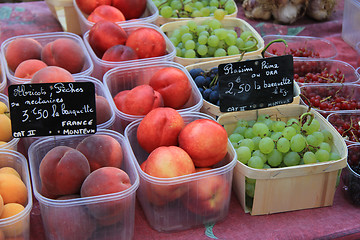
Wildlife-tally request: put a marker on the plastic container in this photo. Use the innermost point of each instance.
(288, 188)
(174, 216)
(343, 71)
(350, 29)
(161, 20)
(228, 23)
(357, 48)
(346, 123)
(17, 226)
(323, 47)
(150, 15)
(214, 110)
(12, 144)
(64, 11)
(3, 80)
(43, 39)
(57, 214)
(120, 78)
(351, 175)
(328, 93)
(101, 66)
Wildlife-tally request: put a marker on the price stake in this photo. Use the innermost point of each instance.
(52, 109)
(254, 84)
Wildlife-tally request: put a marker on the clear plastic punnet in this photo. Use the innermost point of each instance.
(13, 143)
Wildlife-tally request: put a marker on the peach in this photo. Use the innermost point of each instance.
(17, 228)
(147, 42)
(52, 74)
(65, 53)
(107, 180)
(138, 101)
(103, 109)
(106, 12)
(87, 6)
(28, 68)
(167, 162)
(13, 189)
(105, 34)
(101, 151)
(173, 85)
(10, 170)
(63, 170)
(160, 127)
(205, 141)
(22, 49)
(119, 53)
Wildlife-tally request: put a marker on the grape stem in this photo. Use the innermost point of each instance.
(273, 41)
(309, 120)
(249, 47)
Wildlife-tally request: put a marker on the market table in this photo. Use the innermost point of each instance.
(340, 221)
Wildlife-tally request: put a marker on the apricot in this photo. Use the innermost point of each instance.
(13, 189)
(103, 109)
(17, 228)
(10, 170)
(101, 151)
(22, 49)
(107, 180)
(3, 108)
(63, 170)
(28, 68)
(5, 128)
(52, 74)
(106, 12)
(65, 53)
(1, 205)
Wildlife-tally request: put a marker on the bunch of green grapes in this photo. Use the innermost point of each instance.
(192, 8)
(267, 143)
(210, 39)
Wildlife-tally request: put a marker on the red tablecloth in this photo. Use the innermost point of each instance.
(340, 221)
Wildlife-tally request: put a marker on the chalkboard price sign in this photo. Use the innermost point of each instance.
(254, 84)
(46, 109)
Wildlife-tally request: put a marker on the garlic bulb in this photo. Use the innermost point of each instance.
(288, 11)
(258, 9)
(320, 10)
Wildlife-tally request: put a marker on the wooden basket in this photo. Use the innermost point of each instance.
(228, 23)
(289, 188)
(161, 20)
(66, 14)
(214, 110)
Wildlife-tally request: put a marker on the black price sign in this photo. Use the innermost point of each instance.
(52, 109)
(254, 84)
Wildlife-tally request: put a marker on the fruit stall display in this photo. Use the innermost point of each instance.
(230, 37)
(185, 166)
(289, 158)
(85, 185)
(16, 199)
(24, 55)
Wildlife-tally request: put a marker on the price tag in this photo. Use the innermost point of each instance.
(254, 84)
(52, 109)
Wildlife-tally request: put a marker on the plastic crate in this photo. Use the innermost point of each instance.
(350, 27)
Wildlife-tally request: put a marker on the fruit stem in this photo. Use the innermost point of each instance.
(308, 121)
(249, 47)
(273, 41)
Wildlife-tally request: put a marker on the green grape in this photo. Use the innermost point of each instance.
(176, 34)
(183, 50)
(276, 136)
(255, 162)
(230, 7)
(219, 14)
(309, 157)
(205, 11)
(297, 143)
(278, 126)
(222, 2)
(242, 123)
(220, 52)
(243, 154)
(274, 158)
(268, 122)
(192, 25)
(202, 50)
(199, 5)
(214, 3)
(221, 33)
(322, 155)
(240, 43)
(201, 29)
(256, 141)
(213, 41)
(188, 8)
(211, 50)
(175, 4)
(221, 44)
(249, 133)
(328, 137)
(230, 39)
(312, 140)
(236, 137)
(250, 189)
(266, 166)
(184, 29)
(185, 37)
(189, 44)
(248, 143)
(319, 136)
(334, 156)
(240, 129)
(266, 145)
(291, 159)
(326, 146)
(178, 51)
(250, 180)
(251, 123)
(261, 129)
(233, 50)
(245, 35)
(174, 40)
(190, 53)
(212, 9)
(202, 39)
(204, 33)
(289, 132)
(166, 11)
(283, 145)
(157, 3)
(312, 127)
(293, 122)
(250, 45)
(260, 154)
(262, 117)
(214, 24)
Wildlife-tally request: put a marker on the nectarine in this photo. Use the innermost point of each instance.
(28, 68)
(106, 12)
(52, 74)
